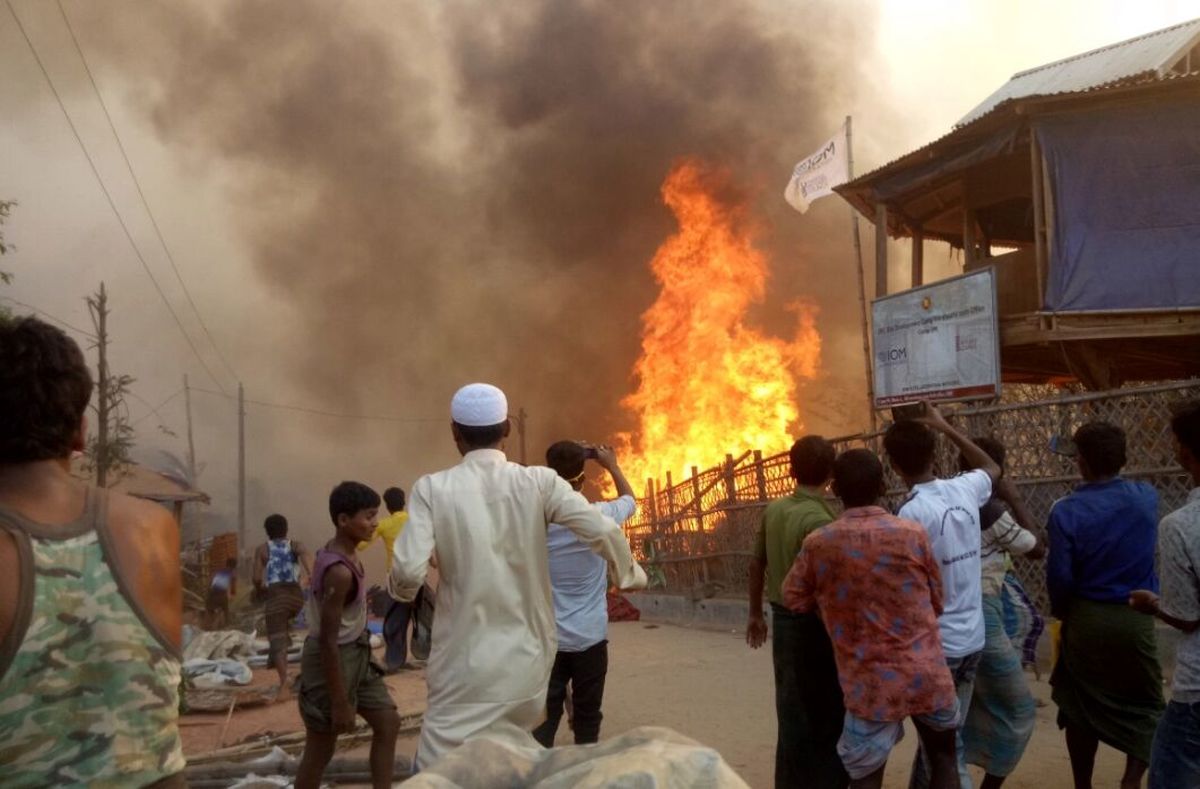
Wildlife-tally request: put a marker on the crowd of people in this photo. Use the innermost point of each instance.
(875, 617)
(906, 613)
(91, 611)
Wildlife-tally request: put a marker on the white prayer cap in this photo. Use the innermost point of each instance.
(479, 405)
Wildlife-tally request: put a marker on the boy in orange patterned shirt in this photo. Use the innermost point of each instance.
(877, 585)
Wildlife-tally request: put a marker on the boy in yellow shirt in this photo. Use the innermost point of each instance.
(395, 622)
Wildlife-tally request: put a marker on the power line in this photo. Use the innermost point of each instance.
(112, 204)
(45, 314)
(320, 412)
(154, 409)
(137, 185)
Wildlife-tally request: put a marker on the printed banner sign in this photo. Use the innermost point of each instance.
(937, 342)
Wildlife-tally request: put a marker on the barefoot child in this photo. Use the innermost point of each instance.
(337, 677)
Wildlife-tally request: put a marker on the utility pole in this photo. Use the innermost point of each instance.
(241, 474)
(99, 310)
(114, 434)
(187, 402)
(521, 416)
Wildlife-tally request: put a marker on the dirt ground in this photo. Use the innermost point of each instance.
(705, 684)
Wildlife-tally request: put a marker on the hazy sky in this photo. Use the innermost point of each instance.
(374, 202)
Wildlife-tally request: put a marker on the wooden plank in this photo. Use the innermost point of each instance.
(1027, 329)
(881, 263)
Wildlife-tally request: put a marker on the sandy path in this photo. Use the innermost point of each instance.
(705, 684)
(712, 687)
(201, 731)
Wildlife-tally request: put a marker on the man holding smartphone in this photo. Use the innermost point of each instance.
(579, 583)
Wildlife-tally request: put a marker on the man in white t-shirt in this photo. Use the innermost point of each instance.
(949, 511)
(579, 582)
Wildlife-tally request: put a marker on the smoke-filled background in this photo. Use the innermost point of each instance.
(372, 203)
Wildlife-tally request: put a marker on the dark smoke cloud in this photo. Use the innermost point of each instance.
(459, 191)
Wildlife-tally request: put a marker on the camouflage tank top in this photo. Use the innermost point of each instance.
(89, 689)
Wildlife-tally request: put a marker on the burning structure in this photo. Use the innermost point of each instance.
(1078, 182)
(708, 383)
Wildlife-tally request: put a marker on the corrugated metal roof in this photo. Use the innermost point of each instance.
(1150, 55)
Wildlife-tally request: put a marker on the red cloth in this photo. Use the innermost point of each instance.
(621, 610)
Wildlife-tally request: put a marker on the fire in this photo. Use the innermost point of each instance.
(708, 384)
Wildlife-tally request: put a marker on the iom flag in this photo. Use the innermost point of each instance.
(817, 174)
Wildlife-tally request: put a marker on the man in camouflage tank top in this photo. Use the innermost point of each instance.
(90, 596)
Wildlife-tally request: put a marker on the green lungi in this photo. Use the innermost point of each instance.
(365, 688)
(1108, 680)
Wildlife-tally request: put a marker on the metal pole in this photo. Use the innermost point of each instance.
(241, 474)
(862, 286)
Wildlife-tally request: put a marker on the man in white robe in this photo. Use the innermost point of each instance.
(484, 522)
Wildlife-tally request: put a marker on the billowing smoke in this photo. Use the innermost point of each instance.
(445, 192)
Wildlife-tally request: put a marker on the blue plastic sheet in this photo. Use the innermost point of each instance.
(1126, 188)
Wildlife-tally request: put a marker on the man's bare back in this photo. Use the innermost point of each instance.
(145, 542)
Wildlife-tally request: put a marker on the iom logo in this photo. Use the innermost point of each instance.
(892, 355)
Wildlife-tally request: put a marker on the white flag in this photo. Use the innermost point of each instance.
(816, 175)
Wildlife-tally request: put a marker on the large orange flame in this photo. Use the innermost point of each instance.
(707, 383)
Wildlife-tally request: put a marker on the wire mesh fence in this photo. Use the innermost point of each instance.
(700, 532)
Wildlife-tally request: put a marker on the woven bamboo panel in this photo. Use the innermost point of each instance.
(700, 531)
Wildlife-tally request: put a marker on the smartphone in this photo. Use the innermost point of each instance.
(910, 411)
(589, 450)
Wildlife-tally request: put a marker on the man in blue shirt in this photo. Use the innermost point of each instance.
(1107, 682)
(579, 582)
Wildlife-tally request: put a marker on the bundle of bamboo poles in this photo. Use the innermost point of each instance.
(341, 770)
(292, 743)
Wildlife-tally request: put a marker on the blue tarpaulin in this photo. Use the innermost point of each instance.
(1126, 190)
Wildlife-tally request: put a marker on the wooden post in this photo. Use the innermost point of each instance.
(1039, 218)
(652, 498)
(968, 237)
(862, 286)
(918, 257)
(671, 503)
(730, 482)
(760, 475)
(881, 234)
(1048, 208)
(696, 499)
